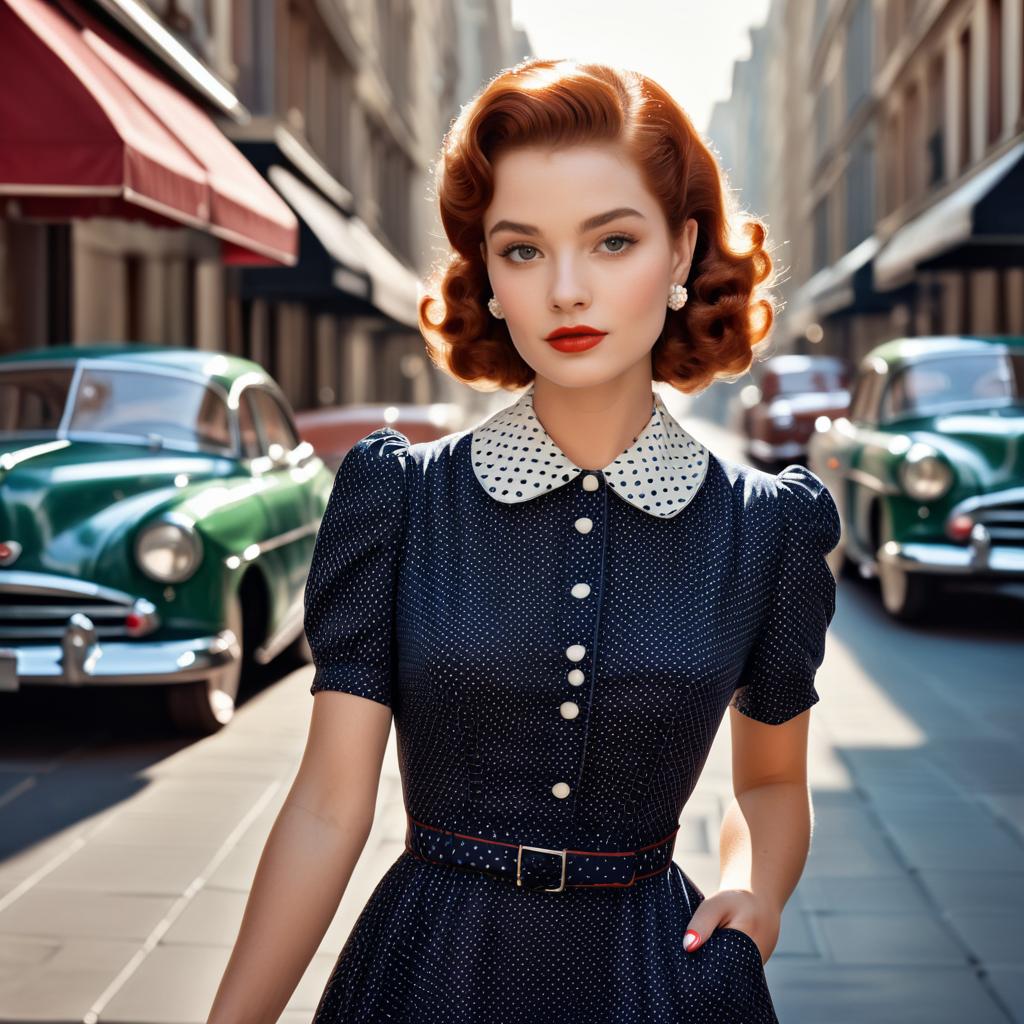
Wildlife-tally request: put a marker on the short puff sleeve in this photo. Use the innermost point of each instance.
(351, 586)
(777, 679)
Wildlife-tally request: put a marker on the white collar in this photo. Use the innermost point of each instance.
(515, 459)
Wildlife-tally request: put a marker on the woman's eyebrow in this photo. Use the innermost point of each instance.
(588, 225)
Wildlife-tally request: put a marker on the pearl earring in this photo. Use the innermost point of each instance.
(495, 307)
(677, 296)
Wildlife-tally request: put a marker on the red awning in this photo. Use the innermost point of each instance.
(87, 129)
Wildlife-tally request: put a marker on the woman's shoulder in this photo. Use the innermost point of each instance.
(388, 456)
(794, 498)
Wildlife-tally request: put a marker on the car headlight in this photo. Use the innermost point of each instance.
(169, 550)
(924, 474)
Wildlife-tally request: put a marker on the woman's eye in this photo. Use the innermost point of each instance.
(617, 238)
(519, 246)
(515, 248)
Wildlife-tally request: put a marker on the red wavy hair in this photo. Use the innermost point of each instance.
(560, 103)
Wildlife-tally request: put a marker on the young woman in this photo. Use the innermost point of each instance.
(557, 607)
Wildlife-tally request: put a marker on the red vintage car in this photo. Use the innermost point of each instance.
(332, 430)
(777, 415)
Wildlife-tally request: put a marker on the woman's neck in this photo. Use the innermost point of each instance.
(594, 425)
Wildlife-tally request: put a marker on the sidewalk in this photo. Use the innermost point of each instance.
(911, 908)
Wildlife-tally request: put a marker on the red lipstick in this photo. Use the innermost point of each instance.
(575, 339)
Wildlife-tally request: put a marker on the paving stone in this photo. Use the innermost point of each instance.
(973, 890)
(155, 992)
(216, 766)
(1009, 807)
(866, 855)
(994, 938)
(211, 918)
(117, 868)
(797, 935)
(810, 993)
(895, 894)
(889, 939)
(138, 828)
(238, 868)
(57, 913)
(995, 766)
(928, 844)
(218, 798)
(1008, 983)
(57, 981)
(906, 771)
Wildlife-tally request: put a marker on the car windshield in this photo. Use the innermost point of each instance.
(114, 403)
(973, 381)
(799, 382)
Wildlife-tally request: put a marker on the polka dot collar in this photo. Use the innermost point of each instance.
(515, 459)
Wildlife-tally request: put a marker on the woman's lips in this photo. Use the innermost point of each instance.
(575, 342)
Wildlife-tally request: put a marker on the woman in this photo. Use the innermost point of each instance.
(558, 644)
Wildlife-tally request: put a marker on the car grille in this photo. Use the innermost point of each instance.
(1004, 522)
(38, 612)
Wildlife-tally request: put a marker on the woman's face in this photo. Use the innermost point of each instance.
(549, 268)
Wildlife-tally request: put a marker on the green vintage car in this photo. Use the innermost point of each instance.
(928, 469)
(158, 513)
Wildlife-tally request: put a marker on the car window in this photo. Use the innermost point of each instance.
(274, 423)
(864, 404)
(971, 381)
(247, 427)
(33, 400)
(816, 380)
(136, 404)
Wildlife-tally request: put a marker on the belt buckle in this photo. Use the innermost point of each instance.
(539, 849)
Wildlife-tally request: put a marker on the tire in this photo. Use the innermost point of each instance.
(205, 707)
(848, 568)
(905, 595)
(301, 649)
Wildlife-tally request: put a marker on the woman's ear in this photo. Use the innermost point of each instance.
(684, 247)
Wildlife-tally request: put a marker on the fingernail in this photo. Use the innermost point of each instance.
(690, 938)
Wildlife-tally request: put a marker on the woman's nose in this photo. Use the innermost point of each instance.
(569, 290)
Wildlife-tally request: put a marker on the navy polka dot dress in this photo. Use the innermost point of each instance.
(558, 646)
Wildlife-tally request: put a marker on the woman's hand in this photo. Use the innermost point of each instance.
(735, 908)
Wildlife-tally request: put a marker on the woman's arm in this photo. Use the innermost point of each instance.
(308, 858)
(766, 830)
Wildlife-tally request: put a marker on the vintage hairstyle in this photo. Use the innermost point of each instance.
(559, 103)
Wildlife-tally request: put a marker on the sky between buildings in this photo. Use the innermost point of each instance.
(687, 46)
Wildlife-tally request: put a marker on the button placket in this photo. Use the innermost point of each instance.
(582, 591)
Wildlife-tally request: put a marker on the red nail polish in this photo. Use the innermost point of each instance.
(696, 940)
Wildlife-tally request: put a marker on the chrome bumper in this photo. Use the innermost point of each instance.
(82, 660)
(954, 559)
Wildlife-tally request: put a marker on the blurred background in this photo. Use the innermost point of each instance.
(214, 218)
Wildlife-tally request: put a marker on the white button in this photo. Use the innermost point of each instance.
(590, 482)
(575, 652)
(560, 789)
(569, 709)
(576, 677)
(584, 525)
(581, 590)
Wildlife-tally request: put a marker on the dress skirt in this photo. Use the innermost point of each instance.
(450, 945)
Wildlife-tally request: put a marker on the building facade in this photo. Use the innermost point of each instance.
(895, 149)
(340, 106)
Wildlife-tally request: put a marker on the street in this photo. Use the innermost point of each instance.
(126, 854)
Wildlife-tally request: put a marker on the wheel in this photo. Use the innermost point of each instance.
(303, 652)
(206, 706)
(298, 652)
(843, 566)
(906, 596)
